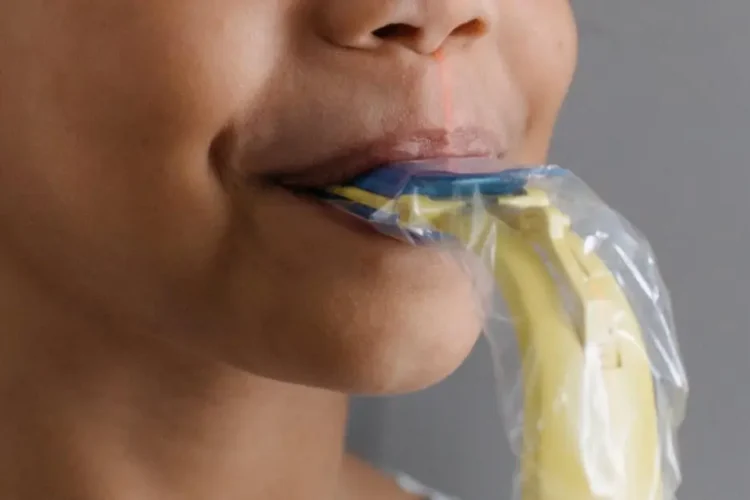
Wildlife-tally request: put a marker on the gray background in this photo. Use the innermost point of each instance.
(659, 124)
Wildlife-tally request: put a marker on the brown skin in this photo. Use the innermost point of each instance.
(173, 326)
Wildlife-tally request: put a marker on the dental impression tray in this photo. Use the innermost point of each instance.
(602, 381)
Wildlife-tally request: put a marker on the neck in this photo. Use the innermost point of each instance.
(92, 412)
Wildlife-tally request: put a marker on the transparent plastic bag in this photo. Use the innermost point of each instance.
(591, 385)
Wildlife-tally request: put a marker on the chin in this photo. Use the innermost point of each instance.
(400, 355)
(410, 329)
(324, 304)
(396, 326)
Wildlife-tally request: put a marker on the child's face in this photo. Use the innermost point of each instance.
(137, 139)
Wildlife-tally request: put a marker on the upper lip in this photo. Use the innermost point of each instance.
(414, 146)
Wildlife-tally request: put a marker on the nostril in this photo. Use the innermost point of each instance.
(473, 28)
(396, 30)
(427, 39)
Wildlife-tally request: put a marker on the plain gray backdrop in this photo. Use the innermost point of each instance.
(658, 123)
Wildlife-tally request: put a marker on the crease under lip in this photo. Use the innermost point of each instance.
(425, 145)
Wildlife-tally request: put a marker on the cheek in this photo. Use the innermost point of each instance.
(122, 246)
(123, 99)
(181, 69)
(554, 48)
(540, 44)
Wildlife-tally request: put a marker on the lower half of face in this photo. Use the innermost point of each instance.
(146, 186)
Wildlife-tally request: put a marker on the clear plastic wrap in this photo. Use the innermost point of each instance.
(590, 380)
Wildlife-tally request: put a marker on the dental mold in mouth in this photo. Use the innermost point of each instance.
(594, 350)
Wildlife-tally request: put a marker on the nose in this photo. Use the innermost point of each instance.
(422, 26)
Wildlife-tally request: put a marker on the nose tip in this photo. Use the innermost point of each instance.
(422, 26)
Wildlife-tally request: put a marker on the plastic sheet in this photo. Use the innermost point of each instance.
(591, 385)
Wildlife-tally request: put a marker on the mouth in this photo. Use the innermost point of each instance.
(438, 145)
